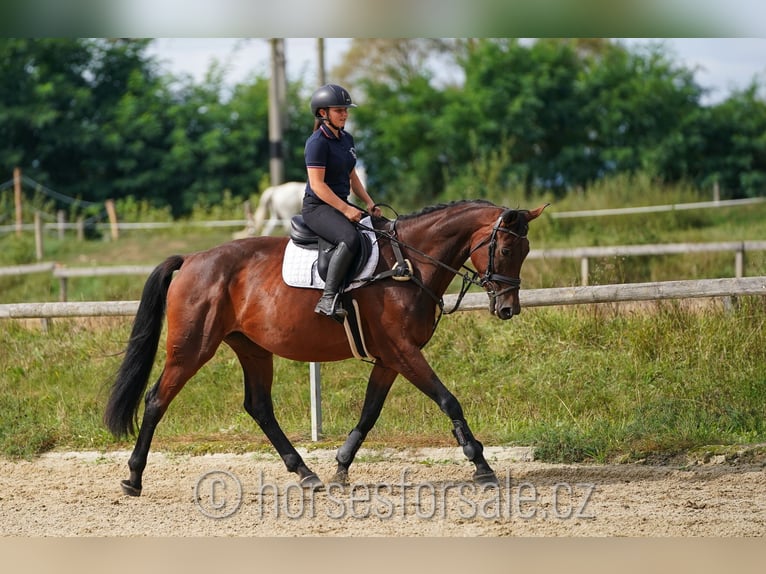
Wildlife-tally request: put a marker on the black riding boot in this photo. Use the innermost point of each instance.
(336, 274)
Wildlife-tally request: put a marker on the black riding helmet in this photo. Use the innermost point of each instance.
(330, 96)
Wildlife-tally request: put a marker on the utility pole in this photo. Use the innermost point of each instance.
(321, 77)
(277, 114)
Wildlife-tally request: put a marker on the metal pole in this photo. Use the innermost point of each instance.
(315, 368)
(276, 155)
(316, 400)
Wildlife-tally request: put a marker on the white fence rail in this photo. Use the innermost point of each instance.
(623, 292)
(472, 301)
(657, 208)
(739, 248)
(585, 254)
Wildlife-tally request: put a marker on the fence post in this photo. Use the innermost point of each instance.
(584, 271)
(63, 284)
(61, 220)
(112, 219)
(38, 236)
(17, 199)
(739, 262)
(80, 229)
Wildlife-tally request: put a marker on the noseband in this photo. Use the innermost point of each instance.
(487, 281)
(490, 277)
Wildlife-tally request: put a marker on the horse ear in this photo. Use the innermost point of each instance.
(535, 213)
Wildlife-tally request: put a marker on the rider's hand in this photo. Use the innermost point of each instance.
(353, 214)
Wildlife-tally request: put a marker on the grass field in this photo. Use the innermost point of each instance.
(599, 383)
(591, 383)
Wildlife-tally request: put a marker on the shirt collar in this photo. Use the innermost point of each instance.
(327, 132)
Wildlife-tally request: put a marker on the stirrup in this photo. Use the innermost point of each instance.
(335, 311)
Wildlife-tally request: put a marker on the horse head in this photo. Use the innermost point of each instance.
(506, 248)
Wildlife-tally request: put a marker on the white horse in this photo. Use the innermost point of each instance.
(282, 202)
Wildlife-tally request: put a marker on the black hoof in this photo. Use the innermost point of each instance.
(488, 478)
(340, 477)
(312, 482)
(129, 489)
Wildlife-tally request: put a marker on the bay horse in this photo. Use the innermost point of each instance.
(234, 293)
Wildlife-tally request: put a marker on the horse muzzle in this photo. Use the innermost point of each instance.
(506, 312)
(503, 304)
(507, 308)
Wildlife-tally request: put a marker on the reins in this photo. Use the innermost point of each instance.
(403, 271)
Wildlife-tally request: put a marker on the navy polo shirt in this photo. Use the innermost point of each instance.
(336, 155)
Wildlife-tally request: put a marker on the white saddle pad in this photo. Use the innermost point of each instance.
(299, 266)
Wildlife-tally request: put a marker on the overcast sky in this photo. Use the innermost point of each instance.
(722, 64)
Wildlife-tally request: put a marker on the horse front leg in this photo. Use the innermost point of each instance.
(417, 370)
(378, 386)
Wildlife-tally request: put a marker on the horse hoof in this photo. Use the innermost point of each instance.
(486, 478)
(312, 482)
(129, 489)
(340, 477)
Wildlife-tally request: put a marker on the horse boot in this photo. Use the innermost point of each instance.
(336, 274)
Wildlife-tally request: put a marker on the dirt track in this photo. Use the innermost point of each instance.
(78, 494)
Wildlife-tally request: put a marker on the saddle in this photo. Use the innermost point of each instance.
(302, 236)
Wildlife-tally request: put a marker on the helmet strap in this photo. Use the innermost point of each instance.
(326, 119)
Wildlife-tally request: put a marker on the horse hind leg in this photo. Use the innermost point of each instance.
(156, 403)
(258, 368)
(185, 356)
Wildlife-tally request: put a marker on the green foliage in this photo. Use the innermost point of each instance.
(97, 118)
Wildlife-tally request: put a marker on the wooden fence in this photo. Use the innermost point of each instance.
(626, 292)
(585, 254)
(622, 292)
(739, 248)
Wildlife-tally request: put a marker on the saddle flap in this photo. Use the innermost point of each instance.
(301, 234)
(326, 250)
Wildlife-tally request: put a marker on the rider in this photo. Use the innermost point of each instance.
(330, 162)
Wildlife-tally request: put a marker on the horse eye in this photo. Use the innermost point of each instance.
(505, 251)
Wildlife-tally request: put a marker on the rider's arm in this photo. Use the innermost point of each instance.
(323, 192)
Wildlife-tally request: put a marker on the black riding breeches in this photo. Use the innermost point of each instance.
(329, 223)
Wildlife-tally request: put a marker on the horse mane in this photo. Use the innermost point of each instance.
(440, 206)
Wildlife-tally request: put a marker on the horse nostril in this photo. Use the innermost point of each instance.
(506, 313)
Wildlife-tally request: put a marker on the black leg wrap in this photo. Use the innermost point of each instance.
(292, 462)
(347, 452)
(471, 446)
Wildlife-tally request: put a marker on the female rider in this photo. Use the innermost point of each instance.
(330, 162)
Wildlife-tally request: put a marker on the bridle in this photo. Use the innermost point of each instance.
(490, 278)
(470, 276)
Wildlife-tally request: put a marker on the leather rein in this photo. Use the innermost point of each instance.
(402, 270)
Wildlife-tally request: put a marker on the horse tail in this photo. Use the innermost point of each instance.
(133, 374)
(259, 217)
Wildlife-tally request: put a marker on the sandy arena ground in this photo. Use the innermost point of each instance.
(392, 493)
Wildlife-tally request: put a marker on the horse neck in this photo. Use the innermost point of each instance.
(446, 235)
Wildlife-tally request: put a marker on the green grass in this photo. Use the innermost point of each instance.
(587, 383)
